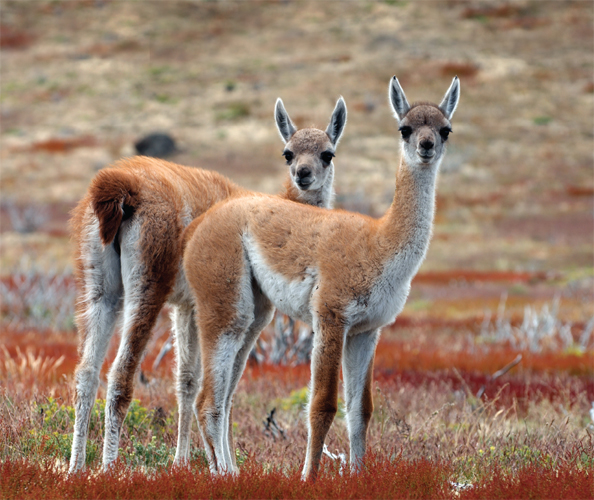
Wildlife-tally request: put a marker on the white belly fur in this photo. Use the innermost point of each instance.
(385, 301)
(289, 297)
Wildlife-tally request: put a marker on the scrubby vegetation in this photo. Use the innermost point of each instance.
(443, 426)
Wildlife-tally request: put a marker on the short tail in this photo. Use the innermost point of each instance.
(114, 198)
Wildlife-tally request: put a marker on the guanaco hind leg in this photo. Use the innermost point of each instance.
(140, 315)
(217, 373)
(99, 303)
(148, 278)
(263, 312)
(188, 375)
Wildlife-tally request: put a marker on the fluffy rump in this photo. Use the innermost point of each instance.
(114, 197)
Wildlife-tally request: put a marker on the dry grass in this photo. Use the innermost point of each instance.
(423, 411)
(428, 418)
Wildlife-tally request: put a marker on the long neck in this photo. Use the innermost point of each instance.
(322, 197)
(405, 230)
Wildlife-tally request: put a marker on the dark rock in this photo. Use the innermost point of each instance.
(156, 145)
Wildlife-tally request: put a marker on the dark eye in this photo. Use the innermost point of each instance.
(288, 156)
(327, 156)
(406, 132)
(444, 132)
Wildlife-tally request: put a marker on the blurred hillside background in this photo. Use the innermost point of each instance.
(82, 81)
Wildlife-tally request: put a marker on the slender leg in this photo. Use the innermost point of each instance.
(148, 278)
(357, 370)
(139, 319)
(221, 283)
(229, 443)
(218, 360)
(99, 303)
(262, 316)
(325, 370)
(188, 375)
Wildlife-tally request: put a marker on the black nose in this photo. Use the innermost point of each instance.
(426, 144)
(303, 172)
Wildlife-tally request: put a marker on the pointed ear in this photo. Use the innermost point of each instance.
(450, 99)
(284, 124)
(337, 121)
(398, 101)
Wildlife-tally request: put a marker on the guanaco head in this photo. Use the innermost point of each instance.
(424, 126)
(309, 151)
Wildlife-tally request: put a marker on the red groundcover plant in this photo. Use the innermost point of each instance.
(379, 479)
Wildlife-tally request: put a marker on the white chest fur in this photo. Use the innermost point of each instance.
(387, 297)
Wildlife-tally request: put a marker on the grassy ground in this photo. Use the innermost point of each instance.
(530, 424)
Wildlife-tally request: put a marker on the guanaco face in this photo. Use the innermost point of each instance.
(309, 153)
(424, 127)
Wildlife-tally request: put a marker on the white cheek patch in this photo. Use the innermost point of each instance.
(409, 153)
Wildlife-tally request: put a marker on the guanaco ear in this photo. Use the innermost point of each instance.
(337, 121)
(450, 99)
(398, 101)
(284, 124)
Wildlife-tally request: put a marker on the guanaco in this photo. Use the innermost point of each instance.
(344, 273)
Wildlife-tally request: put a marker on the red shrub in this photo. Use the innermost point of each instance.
(519, 390)
(462, 69)
(63, 145)
(380, 479)
(12, 38)
(44, 344)
(502, 10)
(287, 375)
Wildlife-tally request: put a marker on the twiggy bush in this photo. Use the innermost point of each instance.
(43, 301)
(539, 331)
